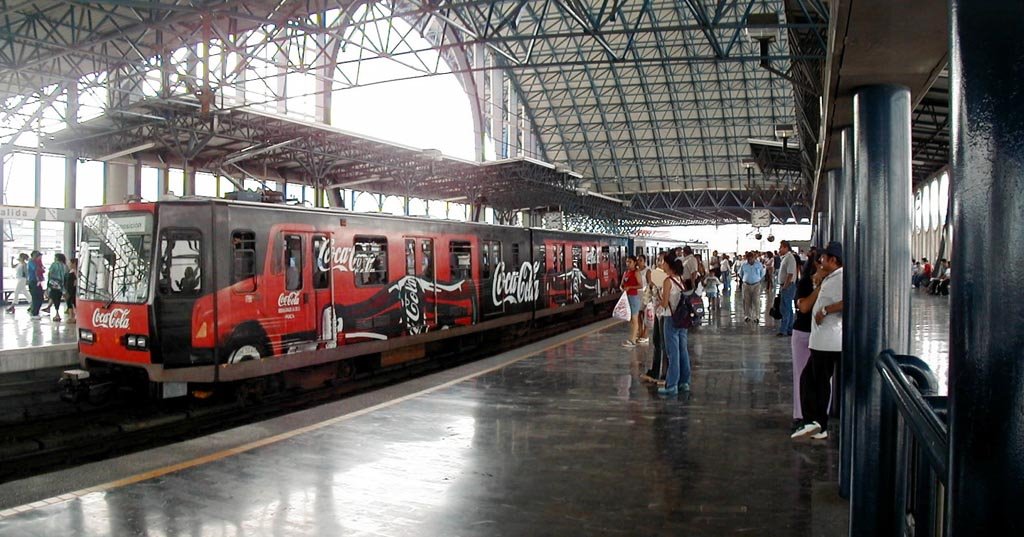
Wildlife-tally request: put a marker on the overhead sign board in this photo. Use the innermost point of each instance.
(16, 212)
(760, 217)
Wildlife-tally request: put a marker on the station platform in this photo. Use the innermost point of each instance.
(556, 438)
(27, 345)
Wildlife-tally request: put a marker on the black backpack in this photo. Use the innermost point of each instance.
(683, 316)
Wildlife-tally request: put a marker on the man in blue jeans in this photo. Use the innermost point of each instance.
(787, 288)
(35, 280)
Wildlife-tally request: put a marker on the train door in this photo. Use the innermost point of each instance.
(419, 263)
(490, 257)
(181, 280)
(323, 291)
(296, 306)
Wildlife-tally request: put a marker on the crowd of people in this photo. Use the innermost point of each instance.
(809, 306)
(39, 285)
(934, 280)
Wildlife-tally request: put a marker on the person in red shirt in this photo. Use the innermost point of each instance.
(926, 272)
(631, 285)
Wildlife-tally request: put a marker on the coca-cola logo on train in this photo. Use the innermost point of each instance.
(516, 286)
(288, 302)
(344, 258)
(115, 318)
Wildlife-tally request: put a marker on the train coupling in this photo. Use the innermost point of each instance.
(80, 385)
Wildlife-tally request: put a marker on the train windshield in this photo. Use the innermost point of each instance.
(116, 254)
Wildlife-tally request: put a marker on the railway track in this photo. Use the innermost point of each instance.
(40, 433)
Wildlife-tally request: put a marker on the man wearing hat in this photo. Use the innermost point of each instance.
(35, 281)
(826, 344)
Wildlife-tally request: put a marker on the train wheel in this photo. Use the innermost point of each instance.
(248, 342)
(245, 353)
(346, 370)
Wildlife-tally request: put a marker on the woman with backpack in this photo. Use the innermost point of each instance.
(55, 282)
(673, 294)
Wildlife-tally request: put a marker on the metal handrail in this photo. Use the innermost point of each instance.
(920, 415)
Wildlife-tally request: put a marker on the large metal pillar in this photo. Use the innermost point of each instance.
(986, 373)
(881, 315)
(821, 228)
(847, 371)
(835, 205)
(71, 178)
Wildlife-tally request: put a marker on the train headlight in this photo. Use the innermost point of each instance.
(135, 342)
(86, 335)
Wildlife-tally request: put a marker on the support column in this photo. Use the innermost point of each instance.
(480, 120)
(3, 263)
(821, 228)
(514, 147)
(847, 371)
(189, 188)
(117, 184)
(71, 178)
(497, 114)
(986, 377)
(835, 205)
(70, 200)
(881, 312)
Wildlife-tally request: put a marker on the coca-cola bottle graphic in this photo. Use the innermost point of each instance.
(407, 307)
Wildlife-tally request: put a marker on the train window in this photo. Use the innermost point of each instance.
(322, 265)
(371, 261)
(577, 256)
(542, 255)
(410, 257)
(560, 259)
(243, 268)
(515, 255)
(461, 254)
(427, 245)
(485, 263)
(181, 262)
(292, 258)
(605, 254)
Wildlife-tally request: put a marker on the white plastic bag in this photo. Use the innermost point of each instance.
(621, 311)
(649, 315)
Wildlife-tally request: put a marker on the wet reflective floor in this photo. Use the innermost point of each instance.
(565, 442)
(18, 331)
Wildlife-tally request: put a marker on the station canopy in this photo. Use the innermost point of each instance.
(647, 112)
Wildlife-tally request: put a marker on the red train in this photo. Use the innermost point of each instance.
(206, 290)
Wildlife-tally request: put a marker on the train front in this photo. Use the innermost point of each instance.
(115, 286)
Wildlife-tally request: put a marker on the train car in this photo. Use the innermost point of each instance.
(205, 290)
(652, 247)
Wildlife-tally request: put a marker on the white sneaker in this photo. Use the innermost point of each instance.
(822, 435)
(628, 344)
(643, 340)
(806, 429)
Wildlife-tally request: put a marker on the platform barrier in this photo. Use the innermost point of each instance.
(915, 446)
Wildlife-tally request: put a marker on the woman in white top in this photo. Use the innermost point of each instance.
(678, 376)
(655, 280)
(21, 290)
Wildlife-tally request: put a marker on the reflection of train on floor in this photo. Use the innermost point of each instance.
(202, 290)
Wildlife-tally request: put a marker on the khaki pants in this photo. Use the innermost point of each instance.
(751, 300)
